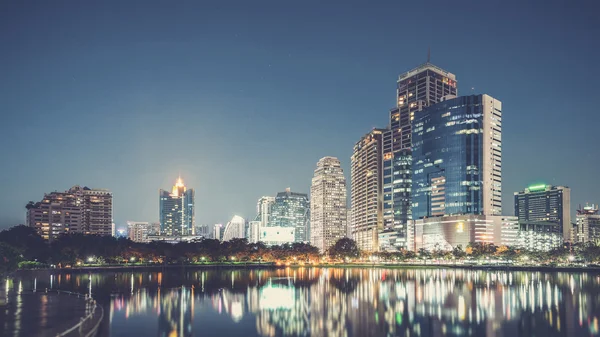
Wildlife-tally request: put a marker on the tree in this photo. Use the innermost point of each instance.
(9, 258)
(344, 248)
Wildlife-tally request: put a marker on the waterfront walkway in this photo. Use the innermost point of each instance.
(28, 314)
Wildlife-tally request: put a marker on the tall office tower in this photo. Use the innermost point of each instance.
(328, 209)
(263, 210)
(235, 229)
(367, 190)
(78, 210)
(218, 231)
(457, 158)
(177, 214)
(202, 230)
(138, 231)
(588, 224)
(417, 89)
(544, 213)
(292, 209)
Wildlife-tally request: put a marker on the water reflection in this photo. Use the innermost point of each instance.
(346, 302)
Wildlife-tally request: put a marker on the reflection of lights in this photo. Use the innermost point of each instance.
(276, 297)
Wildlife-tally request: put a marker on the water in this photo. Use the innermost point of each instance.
(337, 302)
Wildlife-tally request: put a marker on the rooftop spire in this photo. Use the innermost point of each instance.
(428, 54)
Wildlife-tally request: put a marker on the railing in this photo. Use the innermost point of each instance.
(89, 324)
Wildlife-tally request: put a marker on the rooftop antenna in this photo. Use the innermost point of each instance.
(428, 54)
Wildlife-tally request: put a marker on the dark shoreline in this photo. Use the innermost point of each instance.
(274, 266)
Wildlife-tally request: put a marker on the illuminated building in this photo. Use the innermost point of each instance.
(78, 210)
(176, 214)
(544, 216)
(254, 231)
(447, 232)
(588, 224)
(235, 229)
(366, 190)
(457, 158)
(416, 89)
(218, 231)
(328, 208)
(276, 235)
(292, 209)
(264, 209)
(138, 231)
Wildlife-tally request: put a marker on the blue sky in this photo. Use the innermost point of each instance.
(243, 97)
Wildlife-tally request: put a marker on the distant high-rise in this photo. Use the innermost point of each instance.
(235, 229)
(177, 214)
(292, 209)
(588, 224)
(218, 231)
(416, 89)
(366, 190)
(138, 231)
(78, 210)
(544, 213)
(328, 209)
(457, 158)
(264, 209)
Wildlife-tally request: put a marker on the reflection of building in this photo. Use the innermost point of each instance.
(588, 224)
(235, 229)
(177, 210)
(366, 191)
(416, 90)
(544, 213)
(276, 235)
(291, 209)
(175, 317)
(327, 204)
(78, 210)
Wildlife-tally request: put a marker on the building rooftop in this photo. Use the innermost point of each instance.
(426, 66)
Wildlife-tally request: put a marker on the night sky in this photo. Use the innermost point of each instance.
(242, 98)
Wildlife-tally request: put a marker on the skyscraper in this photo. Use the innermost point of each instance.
(588, 224)
(177, 213)
(366, 190)
(292, 209)
(264, 209)
(544, 213)
(457, 158)
(78, 210)
(138, 231)
(328, 209)
(417, 89)
(235, 229)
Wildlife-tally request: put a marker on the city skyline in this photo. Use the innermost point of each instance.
(106, 89)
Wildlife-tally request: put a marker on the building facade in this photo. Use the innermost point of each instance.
(328, 205)
(264, 208)
(292, 209)
(235, 229)
(78, 210)
(544, 213)
(277, 235)
(457, 158)
(416, 89)
(448, 232)
(367, 190)
(588, 225)
(138, 231)
(176, 210)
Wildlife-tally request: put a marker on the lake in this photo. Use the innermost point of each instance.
(331, 302)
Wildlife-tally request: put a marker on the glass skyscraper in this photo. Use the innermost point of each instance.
(176, 210)
(457, 158)
(292, 209)
(417, 89)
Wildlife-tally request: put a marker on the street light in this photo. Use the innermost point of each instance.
(132, 259)
(90, 259)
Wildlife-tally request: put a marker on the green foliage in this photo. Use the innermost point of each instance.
(344, 248)
(9, 258)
